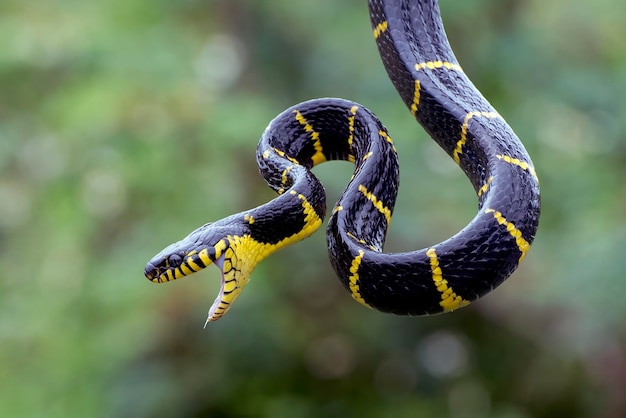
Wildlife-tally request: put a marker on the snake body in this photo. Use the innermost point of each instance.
(443, 277)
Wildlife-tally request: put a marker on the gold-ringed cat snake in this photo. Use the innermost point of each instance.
(445, 276)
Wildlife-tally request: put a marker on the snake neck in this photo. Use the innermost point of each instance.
(335, 129)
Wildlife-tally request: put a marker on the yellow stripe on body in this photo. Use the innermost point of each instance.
(521, 164)
(387, 138)
(353, 280)
(521, 243)
(284, 178)
(362, 242)
(319, 156)
(380, 29)
(468, 117)
(282, 154)
(429, 65)
(449, 300)
(416, 97)
(432, 65)
(378, 204)
(312, 221)
(485, 187)
(353, 111)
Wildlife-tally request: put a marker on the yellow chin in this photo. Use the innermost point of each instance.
(233, 283)
(236, 260)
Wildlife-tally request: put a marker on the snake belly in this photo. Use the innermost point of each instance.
(443, 277)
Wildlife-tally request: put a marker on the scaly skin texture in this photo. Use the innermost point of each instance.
(440, 278)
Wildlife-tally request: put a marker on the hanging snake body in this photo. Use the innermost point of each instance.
(446, 276)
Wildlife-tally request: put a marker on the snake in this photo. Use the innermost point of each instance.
(443, 277)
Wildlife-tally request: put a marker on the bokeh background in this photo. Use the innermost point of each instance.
(124, 125)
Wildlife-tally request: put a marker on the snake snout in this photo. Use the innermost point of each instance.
(152, 272)
(156, 268)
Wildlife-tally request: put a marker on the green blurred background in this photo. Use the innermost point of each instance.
(126, 124)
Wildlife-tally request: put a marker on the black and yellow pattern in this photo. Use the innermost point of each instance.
(441, 278)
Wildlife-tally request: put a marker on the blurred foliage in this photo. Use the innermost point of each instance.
(126, 124)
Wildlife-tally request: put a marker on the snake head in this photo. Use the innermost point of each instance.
(223, 244)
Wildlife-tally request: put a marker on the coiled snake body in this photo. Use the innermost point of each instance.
(420, 63)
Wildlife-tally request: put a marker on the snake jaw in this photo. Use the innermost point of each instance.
(236, 265)
(219, 300)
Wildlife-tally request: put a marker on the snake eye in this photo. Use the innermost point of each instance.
(175, 260)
